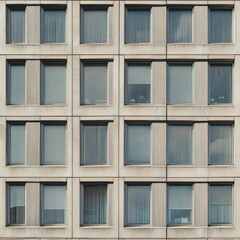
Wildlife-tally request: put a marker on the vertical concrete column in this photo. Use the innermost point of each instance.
(110, 81)
(33, 24)
(159, 25)
(111, 139)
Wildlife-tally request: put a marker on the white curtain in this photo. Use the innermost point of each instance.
(220, 204)
(54, 204)
(16, 144)
(53, 84)
(138, 204)
(137, 26)
(220, 26)
(220, 83)
(53, 26)
(94, 83)
(94, 26)
(179, 144)
(94, 144)
(16, 211)
(54, 144)
(179, 25)
(16, 83)
(138, 144)
(95, 204)
(220, 144)
(16, 26)
(179, 84)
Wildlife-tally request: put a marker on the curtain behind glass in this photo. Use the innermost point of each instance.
(220, 26)
(53, 204)
(16, 26)
(94, 83)
(220, 83)
(53, 26)
(179, 144)
(179, 84)
(53, 84)
(94, 26)
(53, 144)
(94, 144)
(138, 204)
(220, 204)
(16, 201)
(220, 144)
(137, 26)
(138, 144)
(95, 204)
(180, 25)
(16, 144)
(16, 83)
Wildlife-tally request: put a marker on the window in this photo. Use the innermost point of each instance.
(53, 83)
(179, 25)
(220, 144)
(15, 143)
(16, 83)
(179, 204)
(138, 83)
(220, 83)
(53, 25)
(16, 25)
(16, 204)
(53, 203)
(94, 143)
(179, 83)
(137, 143)
(137, 204)
(94, 83)
(94, 204)
(220, 204)
(137, 25)
(220, 26)
(179, 144)
(53, 143)
(94, 24)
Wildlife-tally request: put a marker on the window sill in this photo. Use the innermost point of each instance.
(96, 226)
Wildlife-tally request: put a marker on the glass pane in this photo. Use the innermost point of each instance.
(179, 144)
(16, 204)
(94, 83)
(220, 144)
(220, 26)
(138, 144)
(53, 26)
(95, 204)
(94, 144)
(53, 204)
(220, 83)
(138, 83)
(179, 84)
(53, 144)
(53, 84)
(16, 26)
(94, 26)
(220, 204)
(137, 26)
(16, 144)
(180, 25)
(179, 204)
(138, 204)
(16, 83)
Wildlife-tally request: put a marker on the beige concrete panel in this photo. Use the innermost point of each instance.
(3, 93)
(236, 139)
(33, 24)
(200, 14)
(200, 76)
(200, 144)
(32, 204)
(3, 142)
(33, 143)
(33, 82)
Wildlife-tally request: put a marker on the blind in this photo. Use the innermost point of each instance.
(139, 74)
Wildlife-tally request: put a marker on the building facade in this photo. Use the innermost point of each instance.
(120, 119)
